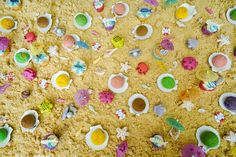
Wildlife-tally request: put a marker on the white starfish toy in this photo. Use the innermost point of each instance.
(122, 133)
(223, 40)
(125, 67)
(231, 138)
(188, 105)
(52, 50)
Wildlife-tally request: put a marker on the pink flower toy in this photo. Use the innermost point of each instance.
(29, 74)
(189, 63)
(106, 97)
(82, 97)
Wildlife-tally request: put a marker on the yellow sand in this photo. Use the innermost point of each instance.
(72, 131)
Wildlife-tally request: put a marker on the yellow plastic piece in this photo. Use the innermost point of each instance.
(62, 80)
(7, 23)
(118, 42)
(206, 75)
(98, 137)
(162, 65)
(46, 106)
(181, 13)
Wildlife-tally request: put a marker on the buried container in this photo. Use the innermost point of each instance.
(138, 104)
(208, 138)
(227, 102)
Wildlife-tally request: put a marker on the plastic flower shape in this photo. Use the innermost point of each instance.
(122, 133)
(46, 106)
(82, 97)
(122, 149)
(79, 67)
(125, 67)
(166, 31)
(52, 50)
(106, 97)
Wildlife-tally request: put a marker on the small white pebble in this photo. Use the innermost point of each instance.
(201, 110)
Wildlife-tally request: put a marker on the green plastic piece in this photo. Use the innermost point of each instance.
(81, 20)
(168, 82)
(22, 57)
(232, 14)
(209, 139)
(175, 124)
(3, 134)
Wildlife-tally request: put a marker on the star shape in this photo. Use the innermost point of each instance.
(223, 40)
(125, 67)
(52, 50)
(122, 133)
(188, 105)
(231, 138)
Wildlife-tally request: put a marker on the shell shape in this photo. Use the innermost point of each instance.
(121, 89)
(25, 53)
(4, 30)
(142, 32)
(89, 137)
(76, 39)
(84, 19)
(191, 11)
(170, 80)
(228, 106)
(203, 129)
(64, 80)
(47, 23)
(220, 68)
(8, 136)
(131, 101)
(36, 121)
(120, 9)
(230, 10)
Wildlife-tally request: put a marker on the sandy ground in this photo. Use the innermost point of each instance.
(72, 131)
